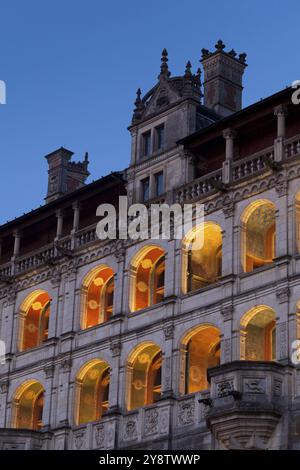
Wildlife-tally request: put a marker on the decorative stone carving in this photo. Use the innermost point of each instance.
(227, 312)
(130, 430)
(79, 439)
(66, 364)
(115, 347)
(254, 385)
(281, 188)
(283, 294)
(228, 210)
(225, 388)
(100, 435)
(151, 421)
(168, 331)
(282, 329)
(4, 386)
(49, 371)
(186, 413)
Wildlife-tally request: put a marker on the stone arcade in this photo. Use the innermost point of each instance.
(153, 344)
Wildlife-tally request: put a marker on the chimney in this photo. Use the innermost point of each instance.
(64, 176)
(223, 72)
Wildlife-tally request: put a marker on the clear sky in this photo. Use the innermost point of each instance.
(72, 69)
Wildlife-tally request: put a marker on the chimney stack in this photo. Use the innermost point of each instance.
(64, 176)
(223, 72)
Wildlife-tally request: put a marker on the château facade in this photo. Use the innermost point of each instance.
(154, 344)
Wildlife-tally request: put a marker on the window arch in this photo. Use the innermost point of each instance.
(34, 320)
(92, 387)
(200, 350)
(144, 376)
(202, 256)
(258, 234)
(28, 406)
(147, 278)
(258, 334)
(98, 297)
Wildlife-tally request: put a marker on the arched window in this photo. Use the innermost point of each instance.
(28, 405)
(200, 351)
(258, 235)
(147, 278)
(202, 257)
(258, 335)
(92, 391)
(144, 376)
(98, 297)
(34, 320)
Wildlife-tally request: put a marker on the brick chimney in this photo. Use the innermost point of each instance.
(223, 72)
(64, 176)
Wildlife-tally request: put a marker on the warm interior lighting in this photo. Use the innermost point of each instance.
(203, 265)
(202, 351)
(35, 314)
(144, 371)
(28, 406)
(93, 390)
(258, 335)
(148, 280)
(98, 293)
(258, 235)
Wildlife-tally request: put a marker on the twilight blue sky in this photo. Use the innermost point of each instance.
(72, 68)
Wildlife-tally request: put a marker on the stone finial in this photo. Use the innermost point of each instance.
(232, 53)
(205, 53)
(220, 46)
(188, 72)
(242, 57)
(164, 70)
(139, 106)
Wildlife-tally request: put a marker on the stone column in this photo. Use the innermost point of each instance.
(226, 341)
(167, 364)
(49, 373)
(62, 411)
(59, 226)
(4, 386)
(76, 219)
(229, 135)
(69, 302)
(281, 219)
(227, 241)
(281, 112)
(113, 399)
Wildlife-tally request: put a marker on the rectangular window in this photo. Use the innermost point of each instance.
(160, 137)
(159, 184)
(146, 144)
(145, 189)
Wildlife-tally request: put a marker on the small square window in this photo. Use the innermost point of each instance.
(145, 186)
(146, 144)
(160, 137)
(159, 183)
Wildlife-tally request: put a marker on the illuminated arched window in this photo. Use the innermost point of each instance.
(148, 278)
(202, 257)
(34, 320)
(200, 351)
(258, 235)
(98, 296)
(28, 405)
(92, 391)
(258, 334)
(144, 376)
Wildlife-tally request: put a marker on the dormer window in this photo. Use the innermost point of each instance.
(146, 144)
(160, 137)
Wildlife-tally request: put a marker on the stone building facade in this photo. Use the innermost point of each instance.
(143, 344)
